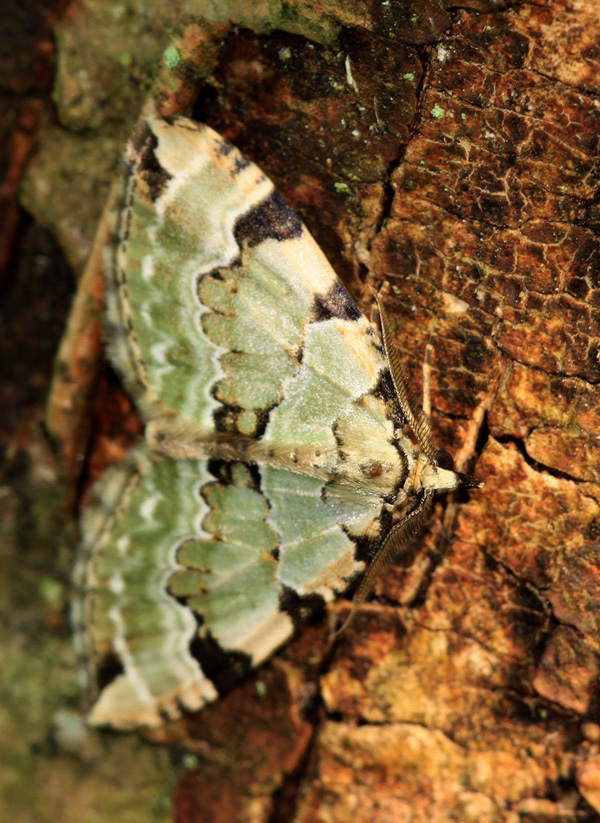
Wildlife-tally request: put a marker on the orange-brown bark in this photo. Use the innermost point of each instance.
(458, 162)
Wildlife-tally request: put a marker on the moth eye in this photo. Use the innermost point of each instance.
(444, 460)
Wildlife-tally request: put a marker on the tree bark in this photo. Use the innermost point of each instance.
(454, 155)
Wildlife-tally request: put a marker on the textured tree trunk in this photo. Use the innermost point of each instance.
(452, 154)
(459, 164)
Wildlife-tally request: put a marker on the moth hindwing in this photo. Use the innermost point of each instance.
(276, 457)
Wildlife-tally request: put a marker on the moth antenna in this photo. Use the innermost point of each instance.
(398, 536)
(416, 420)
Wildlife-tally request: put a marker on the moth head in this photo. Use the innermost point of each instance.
(439, 475)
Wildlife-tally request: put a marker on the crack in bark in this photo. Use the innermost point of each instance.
(537, 465)
(413, 128)
(286, 798)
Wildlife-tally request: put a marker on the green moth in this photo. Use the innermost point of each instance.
(277, 463)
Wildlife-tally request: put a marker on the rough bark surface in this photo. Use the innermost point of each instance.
(453, 154)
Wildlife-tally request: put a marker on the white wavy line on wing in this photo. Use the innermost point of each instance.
(122, 649)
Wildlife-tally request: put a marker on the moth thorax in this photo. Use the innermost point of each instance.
(430, 476)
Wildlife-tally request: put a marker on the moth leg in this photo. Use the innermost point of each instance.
(395, 541)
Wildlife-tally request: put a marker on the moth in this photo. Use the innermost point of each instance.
(282, 454)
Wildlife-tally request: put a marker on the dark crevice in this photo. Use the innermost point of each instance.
(285, 799)
(389, 193)
(535, 464)
(483, 436)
